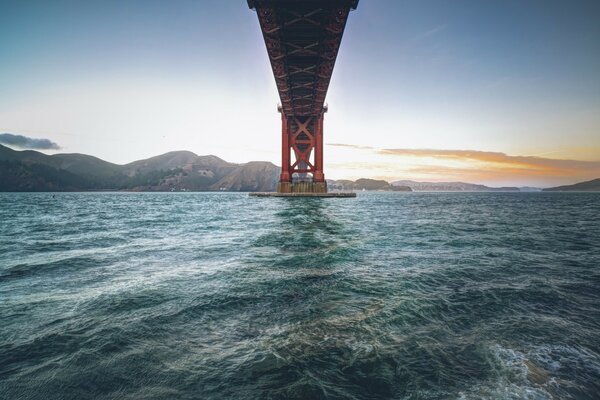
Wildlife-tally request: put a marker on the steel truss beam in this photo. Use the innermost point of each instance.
(302, 39)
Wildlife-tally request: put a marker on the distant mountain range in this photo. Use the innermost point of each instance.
(185, 171)
(174, 171)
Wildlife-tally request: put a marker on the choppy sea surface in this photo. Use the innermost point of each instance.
(223, 296)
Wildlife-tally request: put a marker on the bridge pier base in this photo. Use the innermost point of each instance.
(302, 187)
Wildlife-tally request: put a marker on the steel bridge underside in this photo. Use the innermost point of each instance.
(302, 38)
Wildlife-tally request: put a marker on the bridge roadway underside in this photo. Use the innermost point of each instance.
(302, 38)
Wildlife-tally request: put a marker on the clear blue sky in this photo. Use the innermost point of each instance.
(126, 79)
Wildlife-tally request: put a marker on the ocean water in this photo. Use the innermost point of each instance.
(223, 296)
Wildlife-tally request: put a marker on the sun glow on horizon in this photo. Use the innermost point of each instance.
(435, 165)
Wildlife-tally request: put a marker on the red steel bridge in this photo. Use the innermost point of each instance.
(302, 39)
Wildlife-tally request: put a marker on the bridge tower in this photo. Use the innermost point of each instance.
(302, 39)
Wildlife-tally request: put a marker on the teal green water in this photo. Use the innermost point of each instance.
(211, 296)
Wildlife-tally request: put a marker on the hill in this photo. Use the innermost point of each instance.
(451, 187)
(588, 186)
(365, 184)
(174, 171)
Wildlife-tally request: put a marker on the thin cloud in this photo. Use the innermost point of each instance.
(529, 164)
(474, 166)
(432, 32)
(351, 146)
(24, 142)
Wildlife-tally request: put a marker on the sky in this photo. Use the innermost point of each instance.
(499, 93)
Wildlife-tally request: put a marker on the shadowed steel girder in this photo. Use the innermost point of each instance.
(302, 38)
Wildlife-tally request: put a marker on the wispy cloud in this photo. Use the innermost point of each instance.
(431, 32)
(528, 164)
(25, 142)
(464, 165)
(351, 146)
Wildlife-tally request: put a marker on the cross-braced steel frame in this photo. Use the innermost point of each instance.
(302, 39)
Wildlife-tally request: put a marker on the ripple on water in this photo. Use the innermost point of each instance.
(217, 295)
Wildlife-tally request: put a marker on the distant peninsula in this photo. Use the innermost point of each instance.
(588, 186)
(452, 187)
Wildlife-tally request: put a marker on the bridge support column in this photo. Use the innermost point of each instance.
(285, 178)
(319, 176)
(319, 183)
(303, 135)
